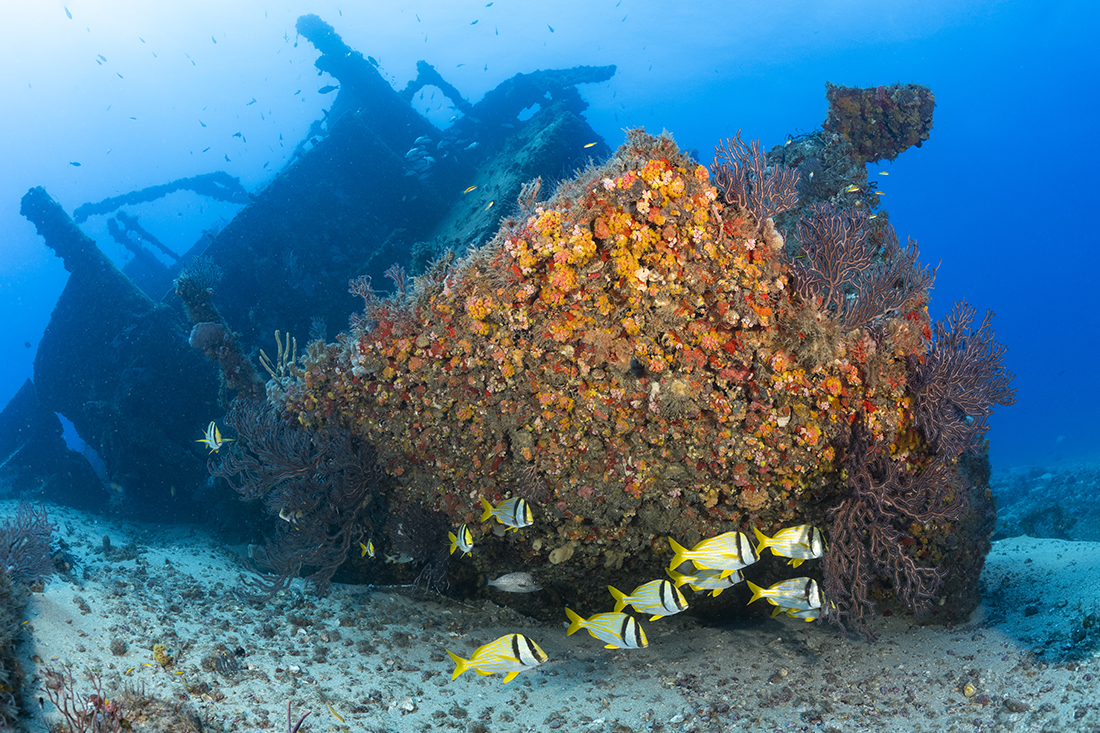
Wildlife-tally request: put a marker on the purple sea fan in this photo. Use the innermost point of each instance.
(745, 180)
(959, 382)
(25, 545)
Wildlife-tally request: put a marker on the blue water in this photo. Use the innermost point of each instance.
(999, 195)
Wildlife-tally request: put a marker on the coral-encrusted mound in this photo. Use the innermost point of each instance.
(627, 357)
(881, 122)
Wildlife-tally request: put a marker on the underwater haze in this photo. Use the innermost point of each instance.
(102, 98)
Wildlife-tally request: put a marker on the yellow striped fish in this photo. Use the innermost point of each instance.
(800, 543)
(464, 540)
(617, 629)
(658, 597)
(367, 549)
(798, 593)
(512, 653)
(711, 580)
(213, 438)
(726, 552)
(512, 513)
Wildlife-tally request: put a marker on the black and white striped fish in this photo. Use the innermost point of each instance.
(512, 513)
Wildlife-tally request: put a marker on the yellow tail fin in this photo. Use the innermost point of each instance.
(618, 595)
(762, 540)
(461, 665)
(488, 509)
(678, 579)
(678, 557)
(454, 541)
(576, 623)
(757, 592)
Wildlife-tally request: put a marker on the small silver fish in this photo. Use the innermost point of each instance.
(517, 582)
(422, 140)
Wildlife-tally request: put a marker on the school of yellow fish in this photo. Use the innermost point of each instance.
(714, 564)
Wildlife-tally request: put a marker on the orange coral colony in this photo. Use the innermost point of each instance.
(625, 354)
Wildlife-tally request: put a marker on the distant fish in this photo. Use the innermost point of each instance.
(417, 18)
(238, 134)
(133, 118)
(141, 39)
(489, 5)
(473, 22)
(327, 88)
(550, 27)
(883, 173)
(205, 149)
(489, 205)
(249, 104)
(422, 140)
(68, 14)
(227, 158)
(515, 583)
(296, 93)
(101, 57)
(74, 164)
(99, 62)
(215, 40)
(589, 145)
(120, 76)
(852, 189)
(202, 123)
(213, 438)
(266, 165)
(471, 146)
(372, 61)
(469, 188)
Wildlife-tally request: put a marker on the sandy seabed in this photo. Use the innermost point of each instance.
(374, 659)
